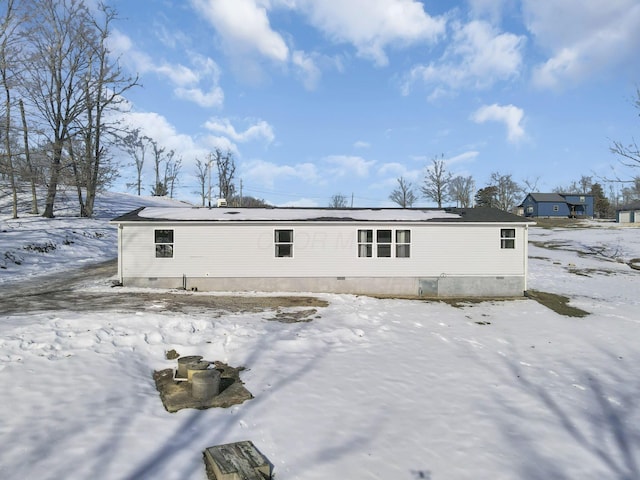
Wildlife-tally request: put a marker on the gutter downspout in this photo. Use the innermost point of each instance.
(526, 257)
(120, 255)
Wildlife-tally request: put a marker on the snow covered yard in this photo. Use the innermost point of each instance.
(372, 389)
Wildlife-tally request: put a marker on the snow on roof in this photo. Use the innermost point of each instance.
(331, 215)
(294, 214)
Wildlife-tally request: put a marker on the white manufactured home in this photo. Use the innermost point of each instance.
(451, 252)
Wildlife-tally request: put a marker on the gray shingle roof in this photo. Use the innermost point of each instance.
(547, 197)
(630, 206)
(275, 214)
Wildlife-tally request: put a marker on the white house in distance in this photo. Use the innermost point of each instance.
(451, 252)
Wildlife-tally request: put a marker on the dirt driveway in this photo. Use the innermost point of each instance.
(68, 291)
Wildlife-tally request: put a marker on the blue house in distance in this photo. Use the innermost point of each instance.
(557, 205)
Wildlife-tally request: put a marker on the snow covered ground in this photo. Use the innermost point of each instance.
(372, 389)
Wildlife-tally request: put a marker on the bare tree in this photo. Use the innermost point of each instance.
(226, 173)
(508, 191)
(59, 36)
(31, 171)
(436, 182)
(159, 188)
(172, 171)
(461, 190)
(104, 83)
(9, 50)
(573, 187)
(530, 184)
(338, 201)
(135, 145)
(629, 154)
(249, 201)
(202, 170)
(585, 183)
(403, 194)
(632, 192)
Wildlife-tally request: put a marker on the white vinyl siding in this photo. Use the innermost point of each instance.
(321, 250)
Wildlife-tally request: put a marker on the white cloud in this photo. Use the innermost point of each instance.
(394, 169)
(158, 128)
(307, 69)
(491, 9)
(178, 74)
(344, 165)
(223, 144)
(244, 27)
(186, 80)
(260, 129)
(371, 26)
(259, 172)
(478, 56)
(510, 115)
(119, 42)
(601, 34)
(213, 98)
(361, 144)
(463, 157)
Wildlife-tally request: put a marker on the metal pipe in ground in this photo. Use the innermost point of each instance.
(205, 384)
(196, 367)
(183, 364)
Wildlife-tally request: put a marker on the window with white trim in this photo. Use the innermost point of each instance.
(556, 208)
(283, 240)
(383, 240)
(403, 243)
(387, 244)
(507, 238)
(365, 243)
(164, 243)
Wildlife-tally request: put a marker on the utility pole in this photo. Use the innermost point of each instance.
(209, 168)
(240, 193)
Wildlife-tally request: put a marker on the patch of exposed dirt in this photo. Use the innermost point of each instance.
(64, 292)
(295, 316)
(557, 303)
(550, 223)
(470, 301)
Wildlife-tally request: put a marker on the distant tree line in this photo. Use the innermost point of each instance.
(502, 191)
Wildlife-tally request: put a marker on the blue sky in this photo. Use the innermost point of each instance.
(323, 97)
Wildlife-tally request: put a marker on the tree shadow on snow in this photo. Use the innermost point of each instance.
(601, 423)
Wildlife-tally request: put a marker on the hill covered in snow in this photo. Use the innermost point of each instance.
(32, 245)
